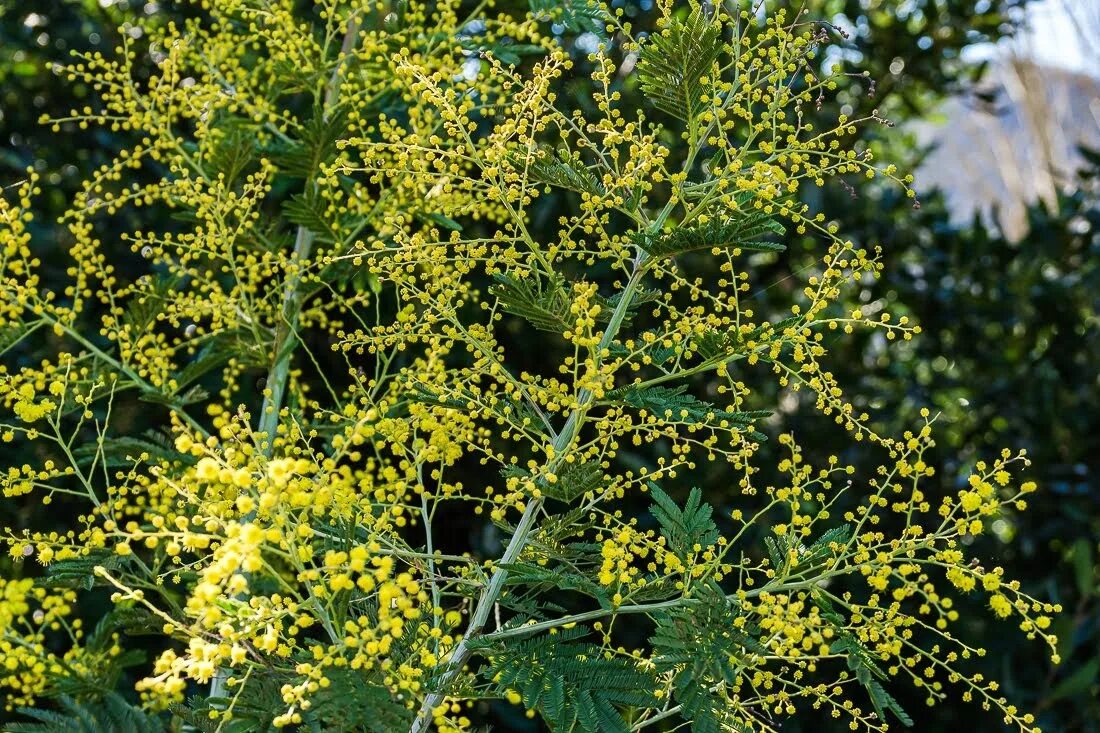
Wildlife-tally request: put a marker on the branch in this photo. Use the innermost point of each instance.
(521, 536)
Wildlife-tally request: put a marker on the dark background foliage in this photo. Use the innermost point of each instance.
(1010, 344)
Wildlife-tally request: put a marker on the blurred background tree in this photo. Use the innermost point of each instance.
(1007, 298)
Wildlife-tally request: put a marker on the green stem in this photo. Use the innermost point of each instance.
(586, 616)
(663, 715)
(276, 384)
(526, 524)
(285, 334)
(600, 613)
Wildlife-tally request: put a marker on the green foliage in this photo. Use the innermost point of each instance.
(575, 16)
(574, 480)
(732, 343)
(349, 705)
(511, 54)
(352, 702)
(827, 545)
(706, 646)
(112, 714)
(676, 63)
(545, 302)
(861, 661)
(735, 234)
(536, 579)
(542, 302)
(575, 686)
(1014, 323)
(560, 169)
(683, 528)
(79, 572)
(307, 210)
(672, 404)
(116, 451)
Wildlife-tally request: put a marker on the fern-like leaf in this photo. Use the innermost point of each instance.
(111, 714)
(542, 302)
(672, 404)
(573, 480)
(572, 684)
(687, 527)
(507, 53)
(640, 297)
(79, 572)
(705, 649)
(715, 344)
(545, 301)
(560, 170)
(534, 578)
(574, 16)
(126, 451)
(308, 210)
(12, 334)
(577, 479)
(861, 661)
(823, 547)
(353, 702)
(675, 62)
(738, 233)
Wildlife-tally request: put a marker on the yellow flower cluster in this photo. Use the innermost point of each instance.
(29, 614)
(285, 534)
